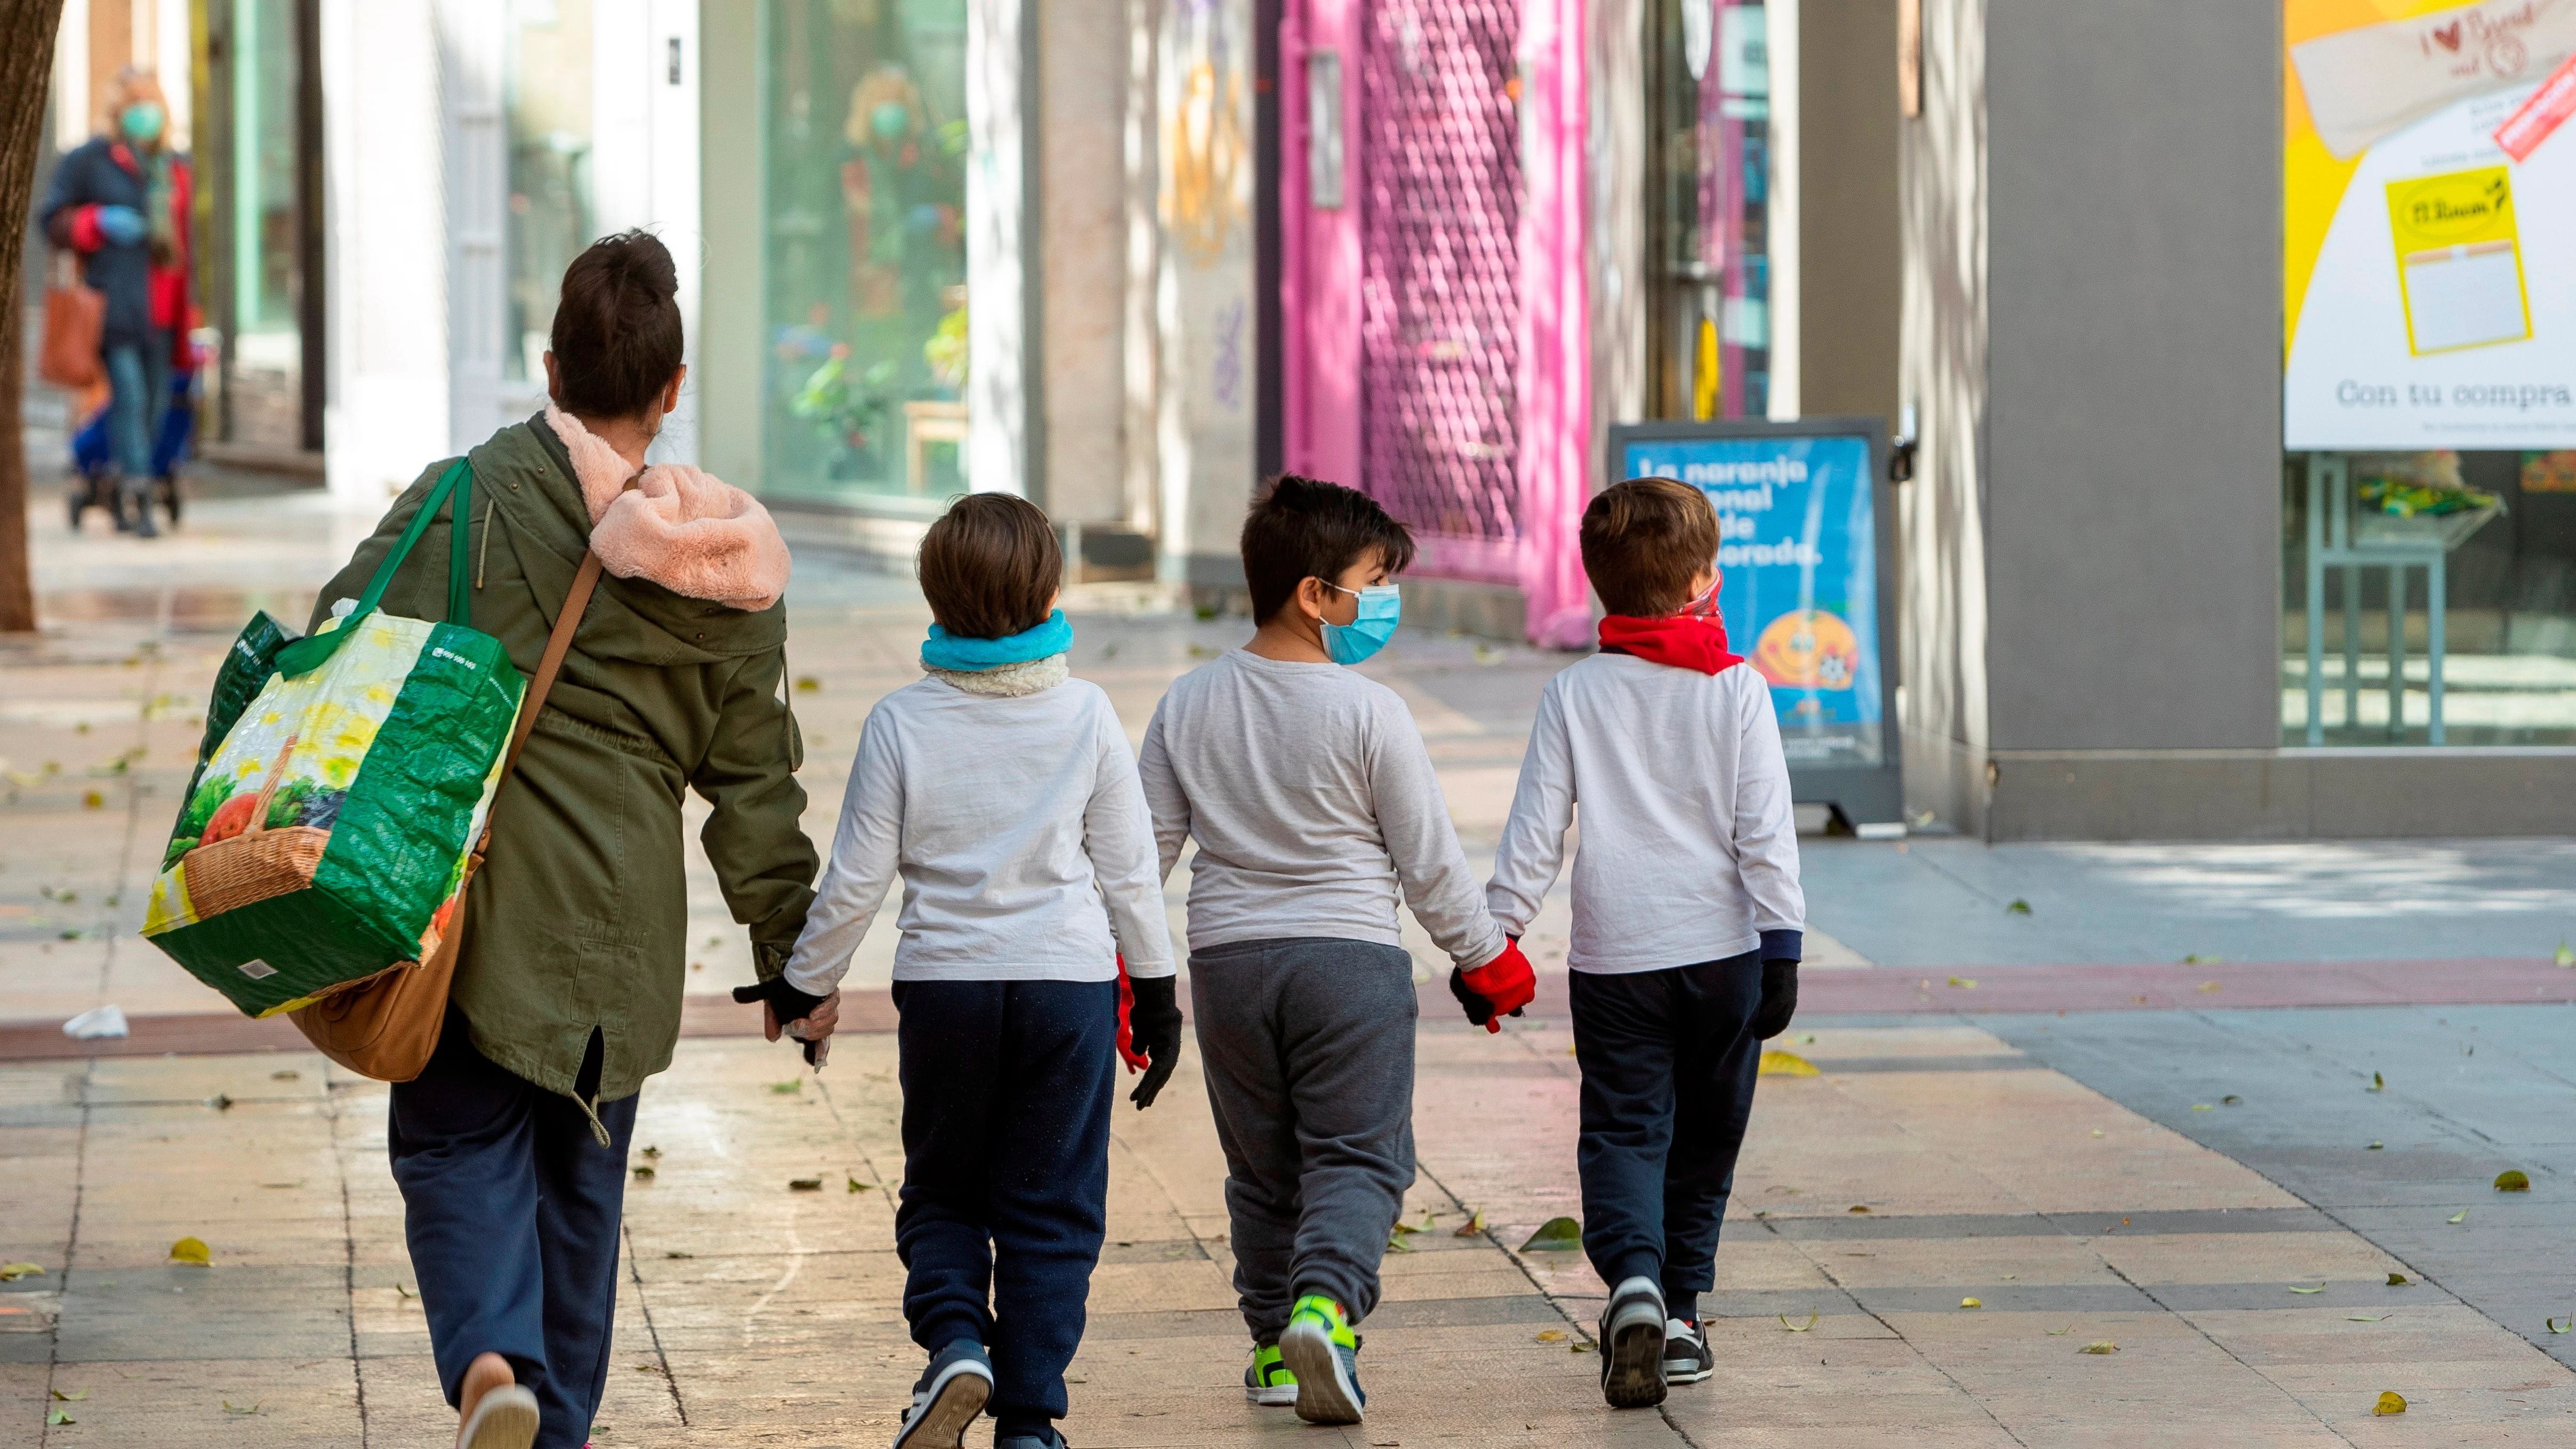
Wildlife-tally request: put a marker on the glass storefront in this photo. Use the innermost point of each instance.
(863, 230)
(547, 80)
(2465, 563)
(1708, 342)
(264, 385)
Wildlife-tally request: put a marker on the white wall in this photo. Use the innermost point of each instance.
(385, 416)
(998, 384)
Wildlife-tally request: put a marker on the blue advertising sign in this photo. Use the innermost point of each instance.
(1800, 574)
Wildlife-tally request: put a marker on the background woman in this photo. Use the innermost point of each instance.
(510, 1150)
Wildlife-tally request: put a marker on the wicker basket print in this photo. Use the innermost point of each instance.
(329, 822)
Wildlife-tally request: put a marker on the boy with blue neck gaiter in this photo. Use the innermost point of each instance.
(1003, 793)
(1314, 806)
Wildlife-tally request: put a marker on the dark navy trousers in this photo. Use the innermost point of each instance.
(1668, 1062)
(512, 1211)
(1007, 1088)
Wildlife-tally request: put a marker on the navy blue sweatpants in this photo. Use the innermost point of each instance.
(1668, 1062)
(512, 1208)
(1007, 1087)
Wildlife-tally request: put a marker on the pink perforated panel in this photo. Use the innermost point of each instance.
(1440, 289)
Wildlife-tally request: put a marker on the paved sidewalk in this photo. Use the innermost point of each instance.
(1923, 1167)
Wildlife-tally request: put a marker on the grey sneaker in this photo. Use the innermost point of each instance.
(1686, 1356)
(948, 1398)
(1632, 1345)
(1048, 1440)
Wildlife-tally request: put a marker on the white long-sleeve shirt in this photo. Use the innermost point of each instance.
(1314, 805)
(1689, 851)
(1019, 831)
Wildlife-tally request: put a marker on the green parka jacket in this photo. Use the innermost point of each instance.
(578, 921)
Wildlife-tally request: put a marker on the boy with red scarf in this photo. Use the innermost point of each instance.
(1687, 915)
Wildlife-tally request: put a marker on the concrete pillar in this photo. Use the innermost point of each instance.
(1005, 405)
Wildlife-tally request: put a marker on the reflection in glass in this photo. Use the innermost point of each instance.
(864, 229)
(1708, 143)
(548, 98)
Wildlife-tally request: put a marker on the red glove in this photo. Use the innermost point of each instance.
(1135, 1060)
(1506, 983)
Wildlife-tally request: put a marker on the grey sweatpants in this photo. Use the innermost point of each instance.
(1307, 1046)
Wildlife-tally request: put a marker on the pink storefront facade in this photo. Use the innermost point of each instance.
(1436, 332)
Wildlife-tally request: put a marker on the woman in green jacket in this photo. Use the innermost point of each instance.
(510, 1149)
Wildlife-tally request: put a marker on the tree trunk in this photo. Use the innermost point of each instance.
(26, 65)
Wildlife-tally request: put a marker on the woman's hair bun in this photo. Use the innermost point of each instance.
(616, 336)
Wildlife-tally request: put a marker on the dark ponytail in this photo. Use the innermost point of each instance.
(617, 327)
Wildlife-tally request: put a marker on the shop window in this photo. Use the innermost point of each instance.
(1708, 166)
(264, 386)
(863, 233)
(550, 221)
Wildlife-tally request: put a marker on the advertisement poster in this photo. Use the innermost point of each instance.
(2429, 191)
(1798, 566)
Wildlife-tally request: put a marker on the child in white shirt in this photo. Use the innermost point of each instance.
(1003, 794)
(1688, 918)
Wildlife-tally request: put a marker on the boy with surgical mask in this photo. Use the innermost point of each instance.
(1314, 806)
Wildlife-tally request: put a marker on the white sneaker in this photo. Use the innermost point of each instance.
(1632, 1345)
(504, 1418)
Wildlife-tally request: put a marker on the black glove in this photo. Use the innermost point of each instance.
(1779, 999)
(1154, 1026)
(786, 1003)
(1478, 1009)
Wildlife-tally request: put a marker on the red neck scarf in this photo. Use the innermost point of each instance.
(1683, 641)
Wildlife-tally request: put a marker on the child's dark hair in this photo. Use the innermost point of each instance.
(616, 336)
(1644, 541)
(1301, 528)
(990, 566)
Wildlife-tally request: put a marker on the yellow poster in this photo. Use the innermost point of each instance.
(2423, 303)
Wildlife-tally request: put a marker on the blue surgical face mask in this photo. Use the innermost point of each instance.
(1381, 609)
(141, 122)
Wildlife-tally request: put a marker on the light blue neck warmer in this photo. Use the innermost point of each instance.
(944, 650)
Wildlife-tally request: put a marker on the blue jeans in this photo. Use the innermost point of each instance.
(1669, 1060)
(138, 380)
(1007, 1087)
(512, 1210)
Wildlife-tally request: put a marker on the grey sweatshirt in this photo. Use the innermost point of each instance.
(1314, 805)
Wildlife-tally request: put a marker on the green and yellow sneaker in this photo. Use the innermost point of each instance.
(1324, 1355)
(1266, 1381)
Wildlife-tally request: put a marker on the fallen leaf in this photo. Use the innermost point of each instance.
(1556, 1235)
(653, 1152)
(2565, 957)
(1785, 1064)
(2202, 1107)
(1972, 1303)
(2018, 908)
(1401, 1227)
(232, 1408)
(2398, 1280)
(2391, 1402)
(405, 1290)
(2097, 1131)
(2376, 1146)
(2457, 1216)
(59, 1417)
(73, 1397)
(2206, 986)
(191, 1250)
(1552, 1335)
(1396, 1243)
(1857, 1208)
(1578, 1348)
(2231, 1100)
(2512, 1179)
(1964, 983)
(2376, 1085)
(808, 684)
(858, 1186)
(792, 1084)
(285, 1076)
(1798, 1327)
(2061, 1332)
(2365, 1317)
(805, 1184)
(675, 1253)
(220, 1102)
(2561, 1325)
(643, 1173)
(2320, 1288)
(91, 800)
(1475, 1224)
(12, 1272)
(2100, 1345)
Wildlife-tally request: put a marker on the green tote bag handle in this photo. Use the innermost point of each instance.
(310, 653)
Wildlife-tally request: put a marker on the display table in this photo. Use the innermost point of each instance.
(2343, 535)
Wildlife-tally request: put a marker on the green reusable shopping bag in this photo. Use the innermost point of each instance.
(342, 780)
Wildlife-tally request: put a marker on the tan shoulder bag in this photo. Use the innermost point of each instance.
(387, 1026)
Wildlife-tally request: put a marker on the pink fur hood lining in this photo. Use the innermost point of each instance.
(680, 527)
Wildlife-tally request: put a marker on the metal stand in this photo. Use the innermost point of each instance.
(2331, 544)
